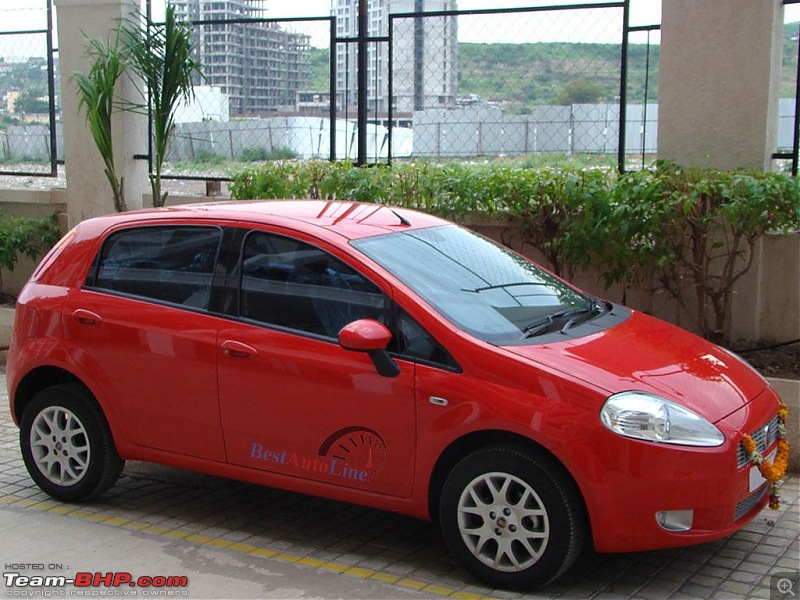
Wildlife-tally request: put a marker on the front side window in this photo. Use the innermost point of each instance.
(478, 285)
(292, 284)
(172, 264)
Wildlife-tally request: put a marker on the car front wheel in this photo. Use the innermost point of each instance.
(513, 519)
(66, 444)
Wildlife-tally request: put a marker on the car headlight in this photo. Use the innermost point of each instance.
(643, 416)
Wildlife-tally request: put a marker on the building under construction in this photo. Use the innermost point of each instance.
(257, 63)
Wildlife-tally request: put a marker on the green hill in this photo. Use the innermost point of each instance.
(523, 75)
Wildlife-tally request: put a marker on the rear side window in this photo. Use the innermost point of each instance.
(173, 264)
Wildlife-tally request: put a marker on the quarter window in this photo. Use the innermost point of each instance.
(167, 264)
(289, 283)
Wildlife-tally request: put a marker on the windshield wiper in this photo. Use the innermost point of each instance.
(502, 285)
(573, 314)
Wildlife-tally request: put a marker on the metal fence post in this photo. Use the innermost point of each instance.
(361, 158)
(623, 86)
(51, 90)
(334, 101)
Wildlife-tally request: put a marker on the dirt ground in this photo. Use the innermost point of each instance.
(783, 362)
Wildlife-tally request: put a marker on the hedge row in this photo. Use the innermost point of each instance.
(692, 231)
(20, 236)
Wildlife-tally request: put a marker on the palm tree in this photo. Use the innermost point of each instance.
(96, 99)
(161, 55)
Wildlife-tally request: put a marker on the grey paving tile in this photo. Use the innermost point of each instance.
(690, 590)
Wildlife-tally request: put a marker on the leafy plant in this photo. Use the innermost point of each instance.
(703, 229)
(25, 237)
(96, 99)
(161, 55)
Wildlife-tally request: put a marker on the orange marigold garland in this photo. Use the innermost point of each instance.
(775, 470)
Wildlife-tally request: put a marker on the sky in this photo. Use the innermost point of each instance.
(601, 26)
(30, 14)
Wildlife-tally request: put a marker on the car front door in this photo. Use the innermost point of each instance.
(292, 400)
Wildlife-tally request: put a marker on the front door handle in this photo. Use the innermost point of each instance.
(86, 317)
(236, 349)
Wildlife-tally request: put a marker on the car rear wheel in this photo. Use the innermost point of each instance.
(67, 446)
(512, 519)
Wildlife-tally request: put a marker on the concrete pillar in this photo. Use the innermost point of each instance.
(719, 72)
(88, 191)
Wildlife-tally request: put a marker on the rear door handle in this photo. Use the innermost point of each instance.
(236, 349)
(86, 317)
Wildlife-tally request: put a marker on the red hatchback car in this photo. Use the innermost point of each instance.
(387, 358)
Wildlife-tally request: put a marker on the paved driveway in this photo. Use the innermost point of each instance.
(235, 540)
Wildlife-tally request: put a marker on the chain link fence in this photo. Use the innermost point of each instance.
(265, 94)
(28, 106)
(508, 82)
(546, 84)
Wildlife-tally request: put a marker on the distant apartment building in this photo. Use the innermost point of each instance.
(259, 65)
(424, 55)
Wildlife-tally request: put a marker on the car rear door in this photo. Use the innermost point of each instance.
(142, 321)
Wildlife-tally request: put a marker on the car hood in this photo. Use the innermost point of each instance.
(646, 354)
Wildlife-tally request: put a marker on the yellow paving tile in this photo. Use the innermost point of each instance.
(387, 577)
(177, 534)
(359, 572)
(239, 547)
(438, 590)
(310, 562)
(293, 558)
(412, 583)
(335, 567)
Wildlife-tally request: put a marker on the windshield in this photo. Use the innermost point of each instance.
(479, 286)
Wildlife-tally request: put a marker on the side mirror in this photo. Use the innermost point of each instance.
(372, 337)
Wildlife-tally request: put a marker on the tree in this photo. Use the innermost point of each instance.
(579, 91)
(32, 101)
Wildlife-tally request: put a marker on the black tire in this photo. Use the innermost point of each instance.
(66, 444)
(526, 517)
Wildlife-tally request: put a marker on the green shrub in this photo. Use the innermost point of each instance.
(25, 237)
(692, 231)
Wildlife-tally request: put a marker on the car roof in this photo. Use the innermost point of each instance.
(352, 220)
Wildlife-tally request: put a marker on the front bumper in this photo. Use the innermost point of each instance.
(627, 482)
